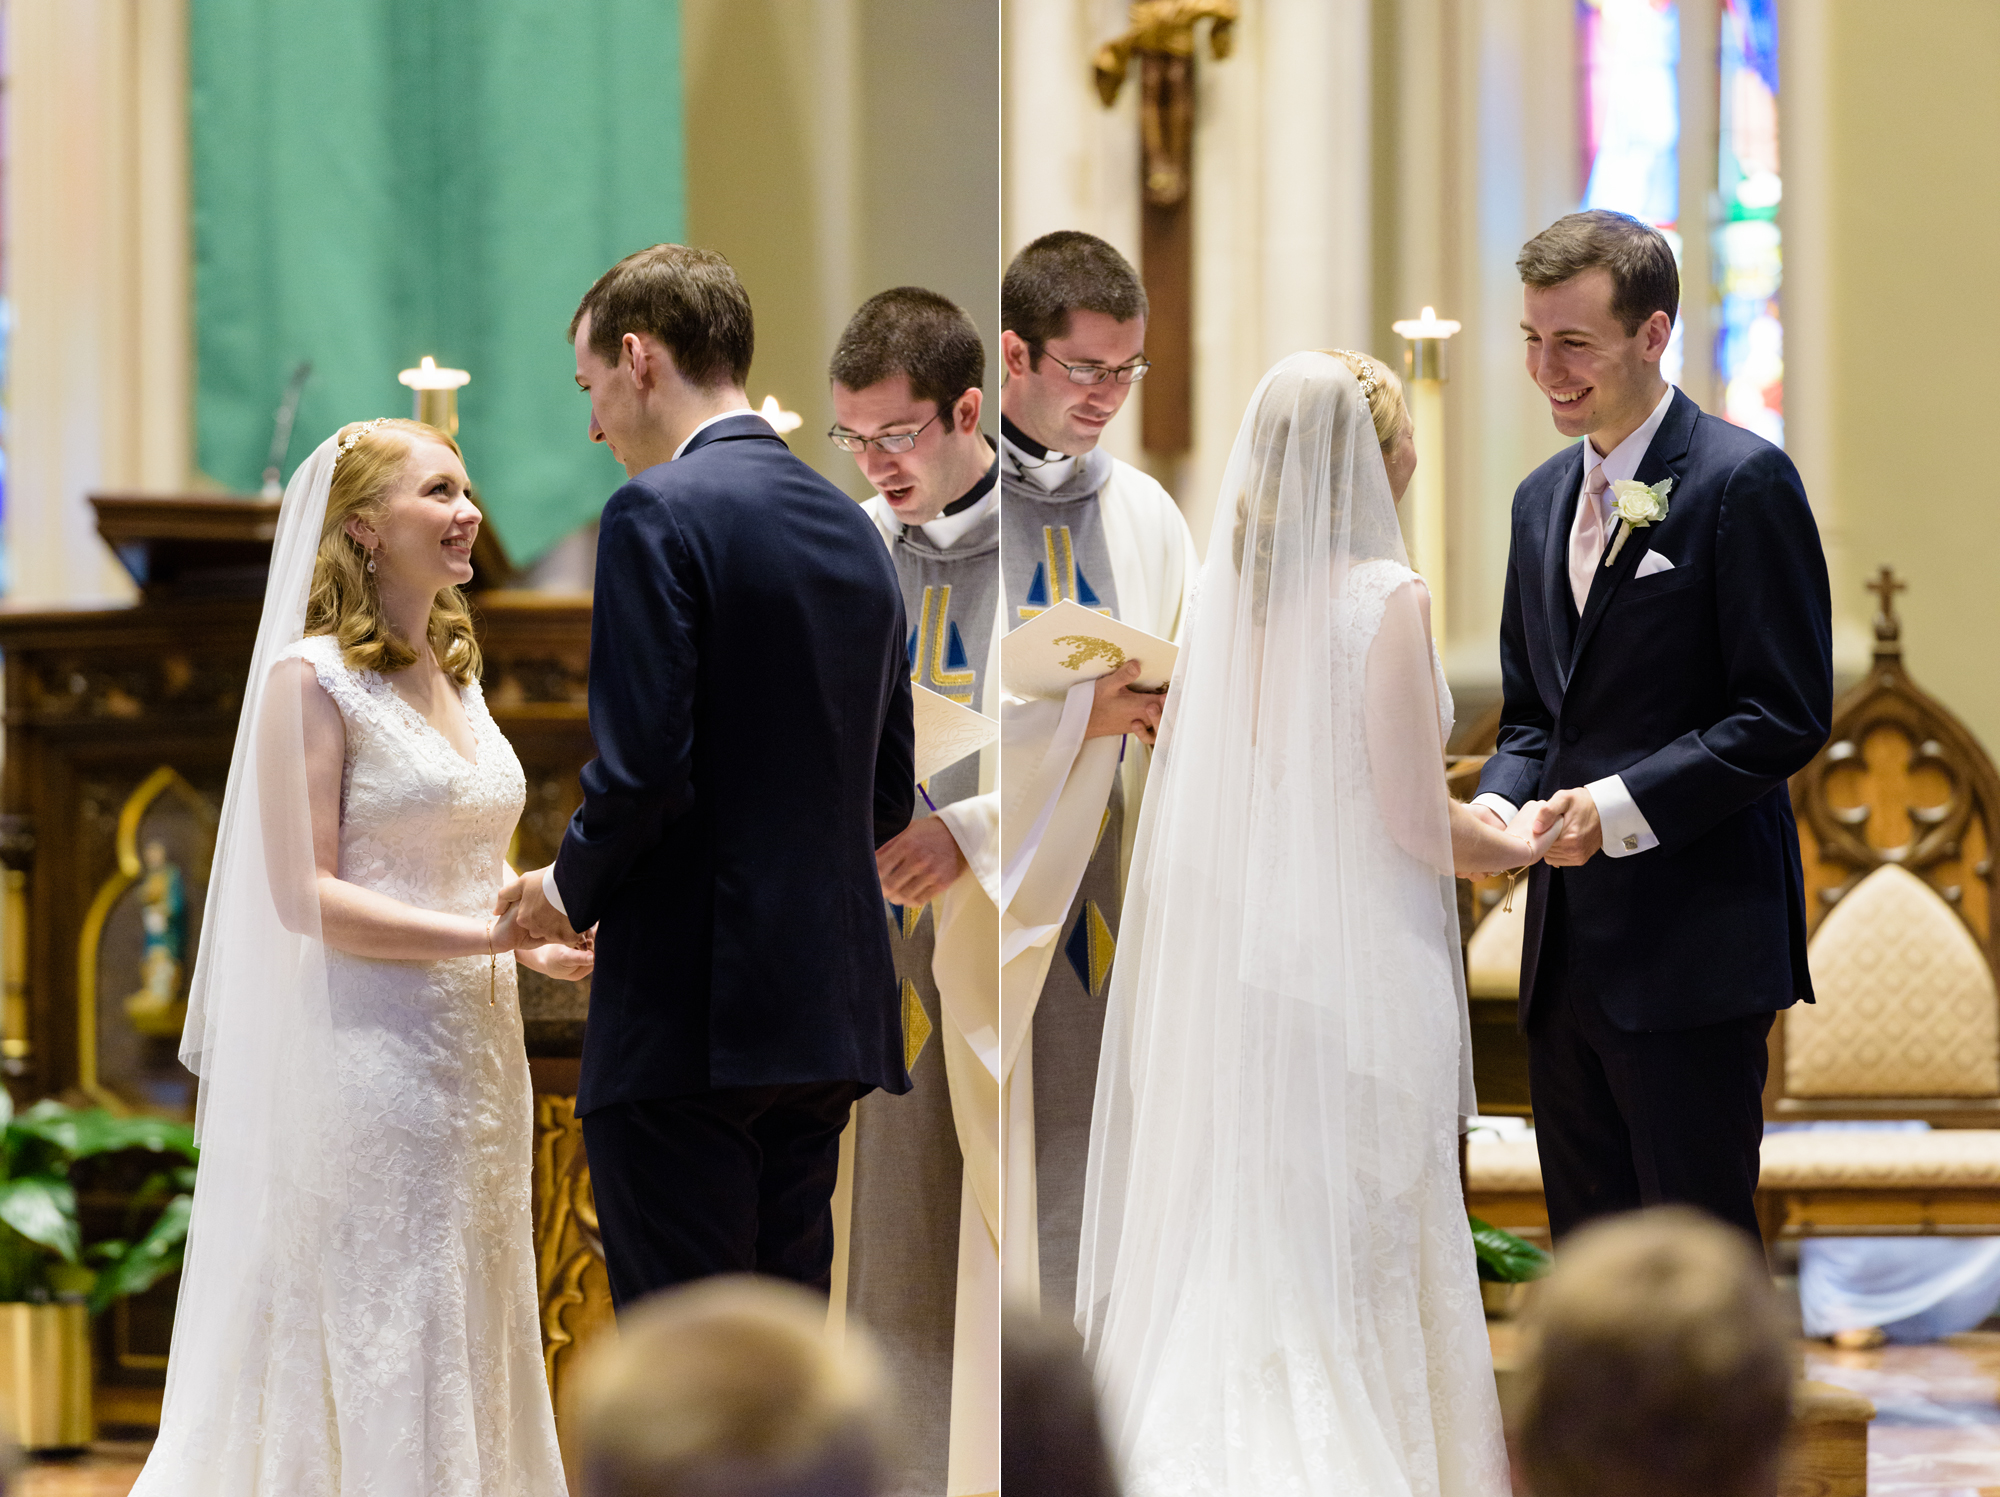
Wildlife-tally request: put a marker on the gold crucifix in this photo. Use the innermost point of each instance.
(1162, 37)
(1888, 628)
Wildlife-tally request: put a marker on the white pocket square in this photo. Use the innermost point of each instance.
(1651, 563)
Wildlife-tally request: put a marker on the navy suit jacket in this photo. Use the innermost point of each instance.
(750, 703)
(1706, 688)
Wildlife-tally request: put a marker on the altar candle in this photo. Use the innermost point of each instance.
(437, 393)
(1423, 368)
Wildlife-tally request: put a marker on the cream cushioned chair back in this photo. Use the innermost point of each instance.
(1906, 1002)
(1493, 955)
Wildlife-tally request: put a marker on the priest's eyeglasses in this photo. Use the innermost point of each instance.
(1097, 374)
(895, 441)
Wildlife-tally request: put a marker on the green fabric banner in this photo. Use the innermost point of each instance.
(376, 180)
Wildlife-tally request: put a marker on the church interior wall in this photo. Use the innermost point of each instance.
(1475, 152)
(1280, 192)
(1892, 209)
(770, 142)
(1067, 162)
(97, 271)
(929, 166)
(835, 151)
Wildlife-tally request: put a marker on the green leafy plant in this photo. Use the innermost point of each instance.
(42, 1253)
(1505, 1258)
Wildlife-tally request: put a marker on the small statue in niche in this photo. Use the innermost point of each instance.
(158, 1008)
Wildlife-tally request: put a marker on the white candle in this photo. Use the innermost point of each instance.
(1426, 335)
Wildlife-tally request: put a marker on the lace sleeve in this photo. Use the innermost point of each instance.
(349, 691)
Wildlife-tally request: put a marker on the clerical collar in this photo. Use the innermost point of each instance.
(979, 490)
(946, 531)
(1032, 451)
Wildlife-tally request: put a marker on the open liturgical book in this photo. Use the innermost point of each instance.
(1069, 643)
(946, 731)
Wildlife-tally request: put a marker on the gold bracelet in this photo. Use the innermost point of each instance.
(492, 962)
(1513, 877)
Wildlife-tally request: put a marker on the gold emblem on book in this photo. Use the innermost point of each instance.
(1085, 647)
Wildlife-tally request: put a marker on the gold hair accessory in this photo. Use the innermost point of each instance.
(1367, 376)
(347, 444)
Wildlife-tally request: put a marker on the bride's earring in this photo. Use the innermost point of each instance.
(371, 560)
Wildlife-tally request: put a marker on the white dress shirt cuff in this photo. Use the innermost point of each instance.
(1625, 829)
(552, 893)
(1499, 805)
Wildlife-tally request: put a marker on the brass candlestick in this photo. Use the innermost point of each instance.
(437, 393)
(1423, 369)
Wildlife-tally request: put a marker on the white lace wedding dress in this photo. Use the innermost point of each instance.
(393, 1348)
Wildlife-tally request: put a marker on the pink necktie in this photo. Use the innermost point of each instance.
(1586, 547)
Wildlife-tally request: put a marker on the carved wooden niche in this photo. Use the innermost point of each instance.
(1901, 782)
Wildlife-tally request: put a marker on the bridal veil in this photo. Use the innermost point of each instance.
(1272, 1227)
(259, 1038)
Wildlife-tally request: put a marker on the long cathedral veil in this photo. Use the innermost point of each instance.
(258, 1036)
(1281, 1073)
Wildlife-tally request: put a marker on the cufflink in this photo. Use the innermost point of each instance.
(1632, 842)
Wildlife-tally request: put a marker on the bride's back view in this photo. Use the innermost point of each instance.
(1277, 1283)
(358, 1312)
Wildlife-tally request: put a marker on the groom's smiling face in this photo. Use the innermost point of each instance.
(1598, 379)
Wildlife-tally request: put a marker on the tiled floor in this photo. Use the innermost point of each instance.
(1936, 1430)
(1937, 1412)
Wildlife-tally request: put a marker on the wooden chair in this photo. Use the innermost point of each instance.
(1897, 817)
(1896, 823)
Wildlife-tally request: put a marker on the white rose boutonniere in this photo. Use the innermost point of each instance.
(1637, 505)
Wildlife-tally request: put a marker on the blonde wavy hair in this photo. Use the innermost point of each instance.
(344, 601)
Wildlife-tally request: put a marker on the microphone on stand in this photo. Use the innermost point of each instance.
(281, 431)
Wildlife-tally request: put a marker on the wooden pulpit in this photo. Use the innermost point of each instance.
(119, 723)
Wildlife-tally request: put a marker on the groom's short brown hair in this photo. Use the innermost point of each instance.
(1644, 277)
(687, 298)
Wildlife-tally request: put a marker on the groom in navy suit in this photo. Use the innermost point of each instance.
(750, 704)
(1664, 676)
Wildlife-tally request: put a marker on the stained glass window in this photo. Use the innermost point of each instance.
(1749, 337)
(1629, 54)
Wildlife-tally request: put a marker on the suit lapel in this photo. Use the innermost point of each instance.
(1664, 459)
(1558, 606)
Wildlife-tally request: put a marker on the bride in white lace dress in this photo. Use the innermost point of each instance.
(358, 1313)
(1277, 1282)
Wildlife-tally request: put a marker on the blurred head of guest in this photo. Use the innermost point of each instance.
(731, 1388)
(1051, 1444)
(1655, 1363)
